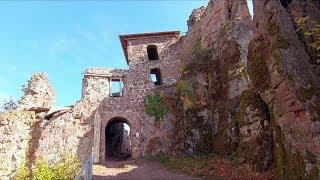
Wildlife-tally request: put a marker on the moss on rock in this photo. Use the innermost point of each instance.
(257, 68)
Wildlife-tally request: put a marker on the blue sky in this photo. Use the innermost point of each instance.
(63, 38)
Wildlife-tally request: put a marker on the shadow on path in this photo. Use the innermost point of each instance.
(135, 169)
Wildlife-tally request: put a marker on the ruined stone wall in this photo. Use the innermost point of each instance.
(96, 83)
(38, 130)
(64, 134)
(15, 128)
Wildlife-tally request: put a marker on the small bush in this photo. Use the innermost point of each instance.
(43, 171)
(198, 58)
(22, 172)
(155, 106)
(65, 169)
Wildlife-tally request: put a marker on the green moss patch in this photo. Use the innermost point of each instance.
(257, 67)
(305, 93)
(291, 164)
(282, 43)
(272, 28)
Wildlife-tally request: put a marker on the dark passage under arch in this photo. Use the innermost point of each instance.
(117, 139)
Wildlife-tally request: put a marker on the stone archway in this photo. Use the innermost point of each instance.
(117, 139)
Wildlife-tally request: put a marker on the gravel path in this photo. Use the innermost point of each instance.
(135, 169)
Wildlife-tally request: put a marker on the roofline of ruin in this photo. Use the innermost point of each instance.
(104, 75)
(125, 37)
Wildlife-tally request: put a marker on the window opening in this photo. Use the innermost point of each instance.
(152, 51)
(155, 76)
(116, 87)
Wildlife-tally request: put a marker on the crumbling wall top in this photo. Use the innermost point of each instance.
(109, 72)
(39, 94)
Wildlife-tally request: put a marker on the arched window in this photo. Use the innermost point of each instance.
(152, 52)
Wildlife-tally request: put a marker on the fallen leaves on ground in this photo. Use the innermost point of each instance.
(211, 165)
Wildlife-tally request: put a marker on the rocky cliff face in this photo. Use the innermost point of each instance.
(255, 83)
(214, 58)
(285, 73)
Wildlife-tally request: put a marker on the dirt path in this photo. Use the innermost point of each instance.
(135, 169)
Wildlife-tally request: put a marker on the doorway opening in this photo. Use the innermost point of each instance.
(117, 139)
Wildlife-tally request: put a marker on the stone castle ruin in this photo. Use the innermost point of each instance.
(111, 100)
(152, 61)
(233, 86)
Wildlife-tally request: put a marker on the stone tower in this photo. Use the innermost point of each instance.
(119, 94)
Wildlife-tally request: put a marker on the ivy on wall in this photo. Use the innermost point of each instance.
(155, 106)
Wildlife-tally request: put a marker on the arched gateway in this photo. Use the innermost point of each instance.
(117, 139)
